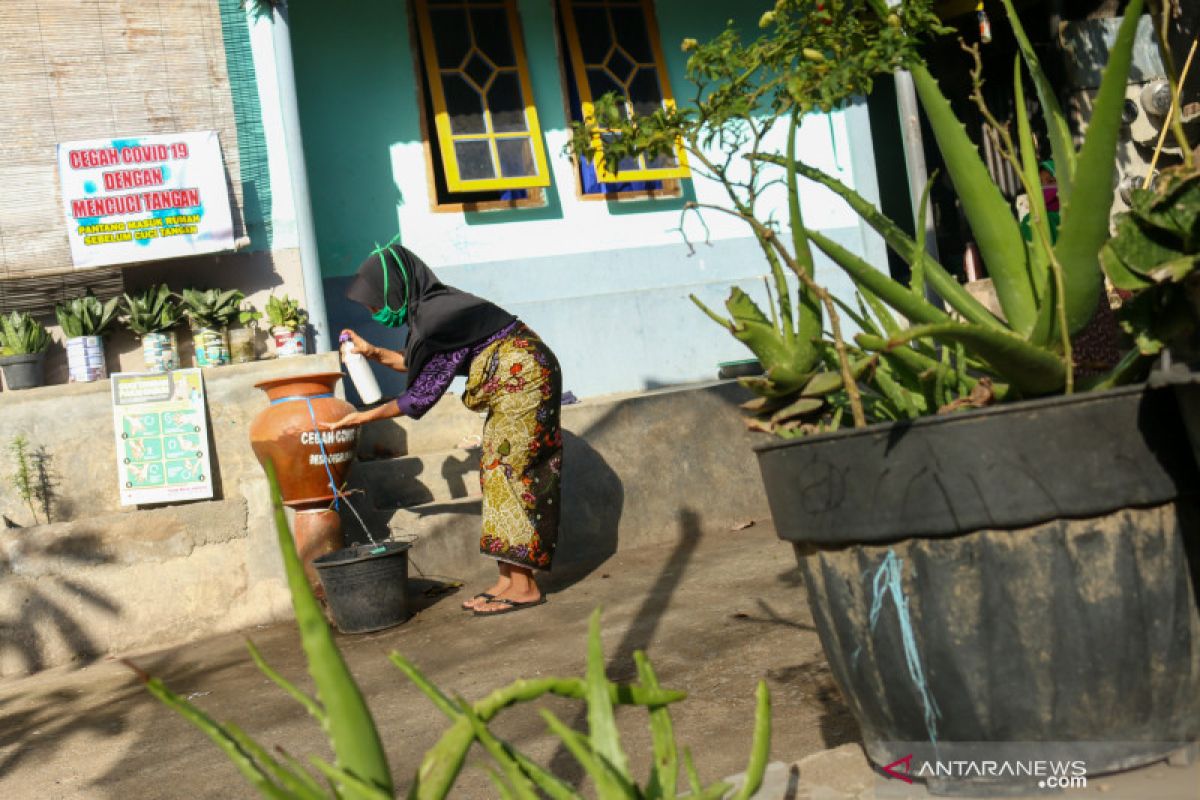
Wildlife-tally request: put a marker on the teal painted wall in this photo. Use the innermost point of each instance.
(605, 283)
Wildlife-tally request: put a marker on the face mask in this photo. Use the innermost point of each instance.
(388, 316)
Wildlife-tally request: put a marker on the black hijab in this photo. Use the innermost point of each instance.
(441, 319)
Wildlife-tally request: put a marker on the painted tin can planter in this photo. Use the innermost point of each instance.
(288, 342)
(85, 359)
(212, 347)
(24, 371)
(160, 352)
(1023, 573)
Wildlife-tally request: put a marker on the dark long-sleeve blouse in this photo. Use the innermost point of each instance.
(437, 375)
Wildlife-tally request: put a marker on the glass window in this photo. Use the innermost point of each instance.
(613, 46)
(485, 125)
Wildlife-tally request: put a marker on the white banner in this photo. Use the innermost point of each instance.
(162, 437)
(145, 198)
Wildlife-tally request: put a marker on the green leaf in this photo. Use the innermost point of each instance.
(296, 781)
(312, 706)
(942, 282)
(602, 726)
(1039, 256)
(761, 747)
(1031, 370)
(809, 311)
(666, 758)
(1084, 226)
(521, 787)
(609, 782)
(873, 281)
(988, 213)
(351, 729)
(917, 260)
(1062, 146)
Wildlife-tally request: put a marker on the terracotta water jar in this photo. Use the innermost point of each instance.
(308, 461)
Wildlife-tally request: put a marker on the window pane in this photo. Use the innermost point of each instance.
(506, 104)
(464, 105)
(474, 160)
(620, 66)
(664, 161)
(492, 35)
(450, 35)
(644, 92)
(595, 40)
(516, 158)
(630, 26)
(601, 84)
(479, 70)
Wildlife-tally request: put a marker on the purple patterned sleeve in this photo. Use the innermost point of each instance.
(432, 383)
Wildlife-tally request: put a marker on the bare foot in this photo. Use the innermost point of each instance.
(502, 584)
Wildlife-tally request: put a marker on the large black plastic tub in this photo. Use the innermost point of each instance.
(366, 585)
(1026, 573)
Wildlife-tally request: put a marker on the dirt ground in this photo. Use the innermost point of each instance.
(715, 612)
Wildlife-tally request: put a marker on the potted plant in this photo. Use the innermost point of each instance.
(241, 339)
(287, 323)
(210, 311)
(85, 321)
(152, 316)
(976, 573)
(23, 344)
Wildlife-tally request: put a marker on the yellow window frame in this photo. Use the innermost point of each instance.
(587, 102)
(446, 138)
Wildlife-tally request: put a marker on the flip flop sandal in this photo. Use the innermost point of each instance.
(510, 606)
(483, 595)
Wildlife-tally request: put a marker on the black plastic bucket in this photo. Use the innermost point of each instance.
(366, 585)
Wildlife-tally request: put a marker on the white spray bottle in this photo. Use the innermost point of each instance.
(360, 372)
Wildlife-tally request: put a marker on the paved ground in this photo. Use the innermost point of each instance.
(716, 613)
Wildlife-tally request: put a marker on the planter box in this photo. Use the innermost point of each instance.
(1024, 573)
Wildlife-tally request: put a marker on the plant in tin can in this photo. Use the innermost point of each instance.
(154, 310)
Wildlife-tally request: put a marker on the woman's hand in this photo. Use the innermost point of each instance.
(351, 420)
(362, 346)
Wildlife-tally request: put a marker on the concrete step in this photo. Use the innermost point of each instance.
(441, 429)
(413, 480)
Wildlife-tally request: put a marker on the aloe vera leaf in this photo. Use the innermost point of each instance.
(805, 405)
(1031, 370)
(809, 312)
(895, 394)
(1039, 258)
(872, 280)
(1129, 369)
(602, 726)
(609, 782)
(311, 705)
(760, 747)
(443, 762)
(520, 785)
(350, 728)
(299, 770)
(427, 687)
(502, 788)
(662, 731)
(1084, 228)
(552, 786)
(689, 767)
(249, 768)
(916, 261)
(947, 287)
(788, 360)
(350, 786)
(880, 310)
(299, 783)
(1062, 146)
(997, 233)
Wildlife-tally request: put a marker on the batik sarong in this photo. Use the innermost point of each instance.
(517, 381)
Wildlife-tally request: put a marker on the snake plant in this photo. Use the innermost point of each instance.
(21, 334)
(211, 308)
(154, 310)
(360, 769)
(87, 316)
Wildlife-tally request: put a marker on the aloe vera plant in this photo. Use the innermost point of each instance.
(21, 334)
(360, 769)
(87, 316)
(211, 308)
(154, 310)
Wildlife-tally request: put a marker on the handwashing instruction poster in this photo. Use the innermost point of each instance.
(144, 198)
(162, 437)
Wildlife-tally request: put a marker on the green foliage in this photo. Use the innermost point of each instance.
(284, 312)
(1156, 253)
(248, 315)
(154, 310)
(21, 334)
(87, 316)
(361, 771)
(211, 308)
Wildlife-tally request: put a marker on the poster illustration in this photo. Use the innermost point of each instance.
(162, 437)
(144, 198)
